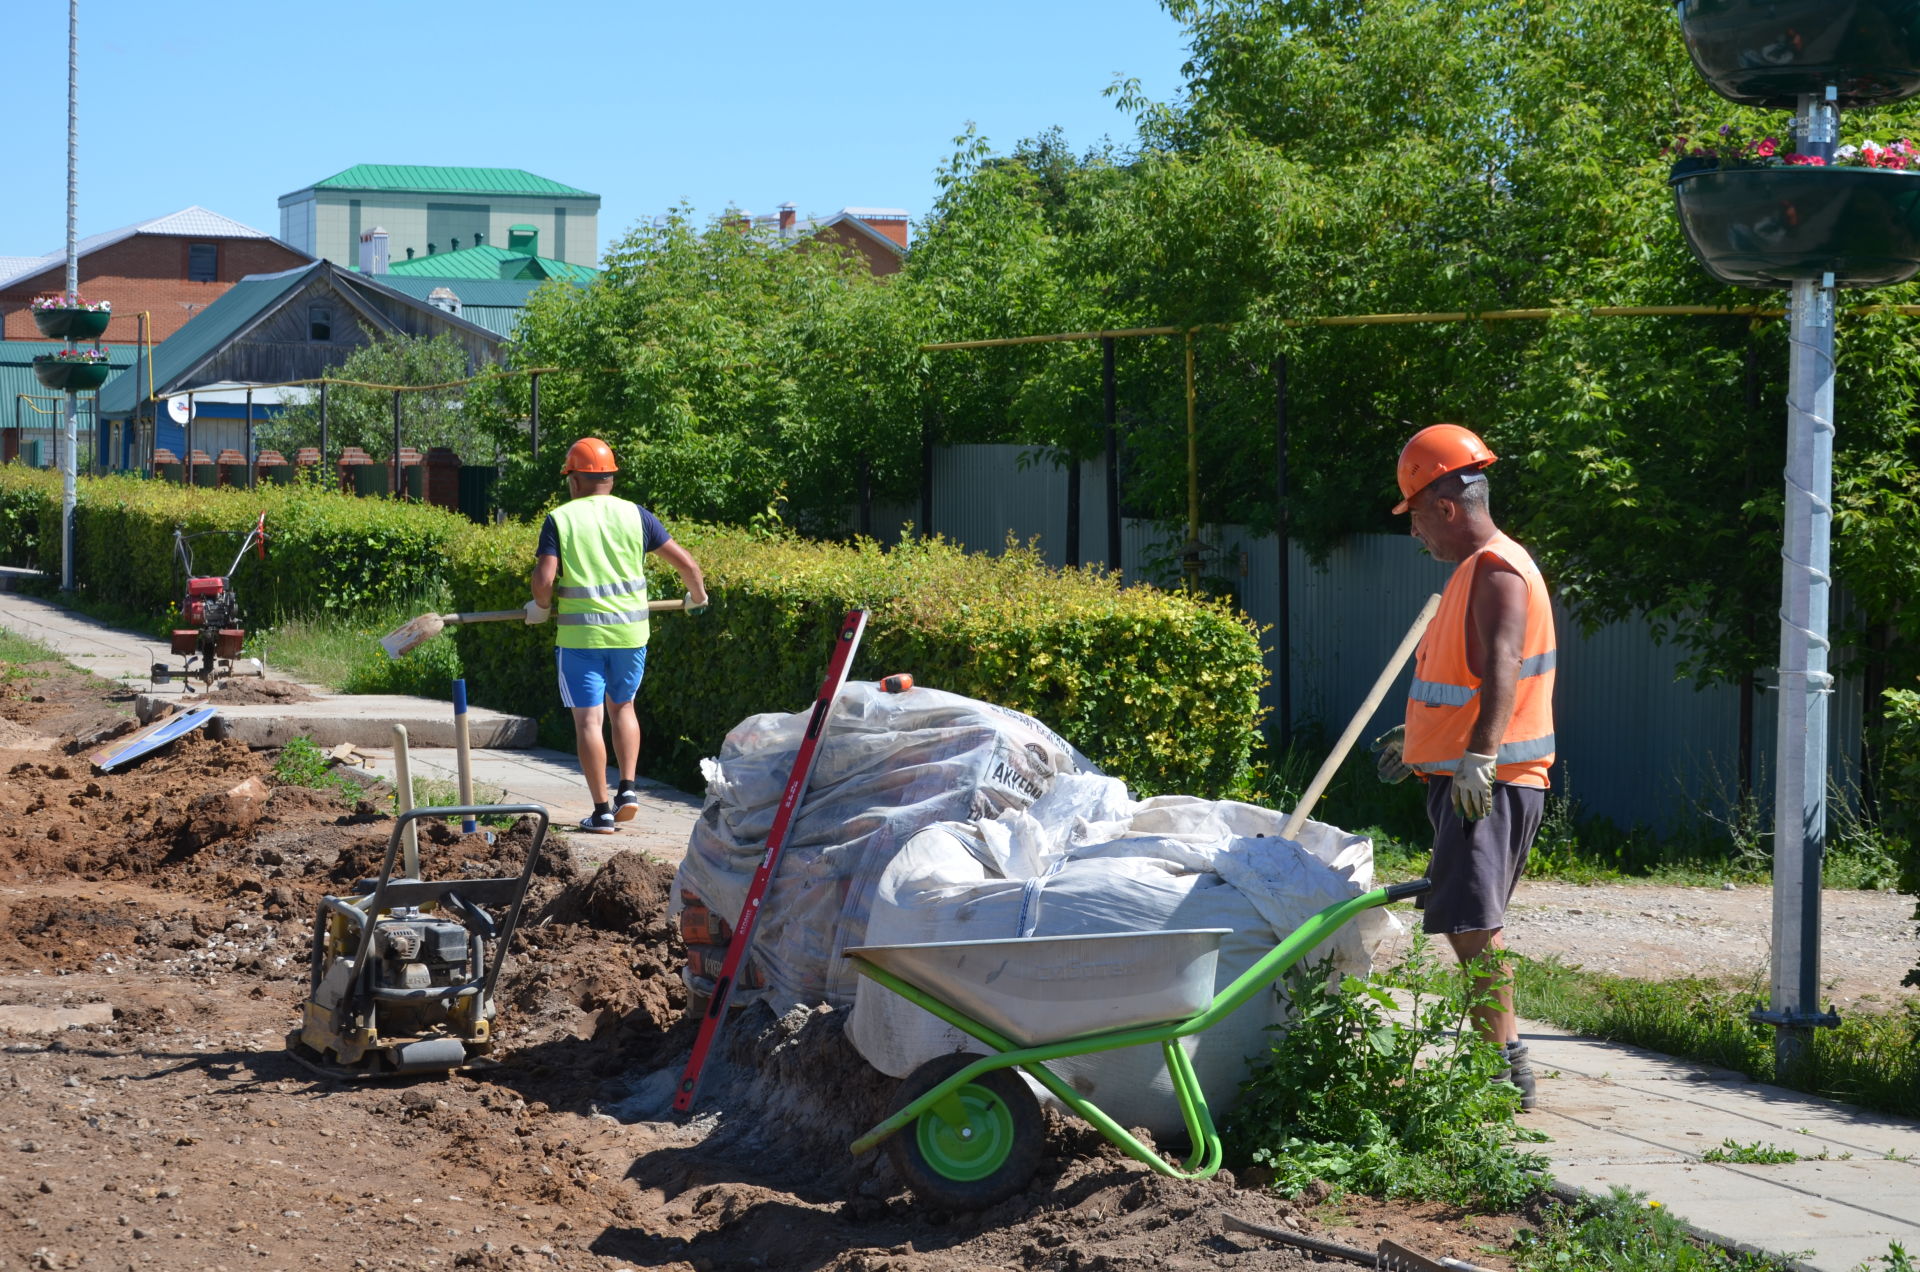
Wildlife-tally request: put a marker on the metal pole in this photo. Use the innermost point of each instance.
(463, 752)
(1190, 556)
(69, 486)
(396, 444)
(534, 414)
(926, 472)
(249, 439)
(866, 495)
(1108, 388)
(323, 424)
(1073, 512)
(1799, 808)
(189, 426)
(1283, 625)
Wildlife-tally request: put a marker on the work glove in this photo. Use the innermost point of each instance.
(697, 604)
(1389, 755)
(537, 613)
(1473, 786)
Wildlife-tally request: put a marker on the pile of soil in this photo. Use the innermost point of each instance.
(154, 936)
(243, 690)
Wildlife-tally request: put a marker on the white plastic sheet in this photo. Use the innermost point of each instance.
(1087, 859)
(889, 765)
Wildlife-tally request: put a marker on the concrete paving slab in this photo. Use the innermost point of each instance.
(1649, 1130)
(364, 719)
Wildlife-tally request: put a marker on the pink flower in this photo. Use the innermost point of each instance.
(1767, 148)
(1806, 161)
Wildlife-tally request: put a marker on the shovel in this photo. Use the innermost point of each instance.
(416, 632)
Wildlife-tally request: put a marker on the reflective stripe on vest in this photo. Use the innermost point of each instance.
(599, 600)
(1438, 694)
(625, 587)
(1444, 700)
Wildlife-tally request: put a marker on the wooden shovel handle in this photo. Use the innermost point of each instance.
(1333, 761)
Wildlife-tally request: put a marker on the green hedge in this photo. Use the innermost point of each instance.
(1158, 688)
(325, 552)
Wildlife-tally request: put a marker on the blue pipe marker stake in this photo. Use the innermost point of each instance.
(463, 755)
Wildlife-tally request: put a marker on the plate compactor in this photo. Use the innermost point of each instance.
(403, 969)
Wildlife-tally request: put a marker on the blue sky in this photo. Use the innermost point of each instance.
(646, 104)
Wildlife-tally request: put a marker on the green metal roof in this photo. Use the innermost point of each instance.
(384, 176)
(497, 304)
(16, 377)
(487, 261)
(212, 327)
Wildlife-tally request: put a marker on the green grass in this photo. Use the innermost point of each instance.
(1706, 848)
(1754, 1154)
(344, 653)
(17, 650)
(1626, 1233)
(301, 763)
(1372, 1099)
(1872, 1060)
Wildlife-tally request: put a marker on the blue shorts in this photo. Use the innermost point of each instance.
(589, 677)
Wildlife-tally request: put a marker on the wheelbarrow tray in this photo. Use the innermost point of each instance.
(1005, 1052)
(1041, 989)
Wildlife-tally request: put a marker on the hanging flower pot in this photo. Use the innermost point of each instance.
(78, 374)
(63, 317)
(1768, 52)
(1769, 227)
(72, 324)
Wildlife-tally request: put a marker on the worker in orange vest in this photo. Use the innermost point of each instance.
(1479, 720)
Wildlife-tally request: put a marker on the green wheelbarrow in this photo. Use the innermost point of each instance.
(966, 1132)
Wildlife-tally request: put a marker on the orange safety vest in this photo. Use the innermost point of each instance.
(1443, 702)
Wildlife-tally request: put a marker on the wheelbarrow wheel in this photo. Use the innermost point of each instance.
(987, 1159)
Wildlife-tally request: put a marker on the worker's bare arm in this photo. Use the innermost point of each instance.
(1497, 609)
(687, 568)
(545, 570)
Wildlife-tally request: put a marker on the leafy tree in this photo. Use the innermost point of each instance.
(728, 370)
(363, 417)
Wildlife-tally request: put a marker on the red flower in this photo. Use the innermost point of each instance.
(1766, 148)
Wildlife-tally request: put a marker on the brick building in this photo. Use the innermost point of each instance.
(878, 235)
(171, 267)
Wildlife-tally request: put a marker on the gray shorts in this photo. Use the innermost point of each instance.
(1476, 865)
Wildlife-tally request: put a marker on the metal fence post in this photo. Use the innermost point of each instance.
(1283, 626)
(396, 443)
(323, 424)
(1113, 452)
(533, 414)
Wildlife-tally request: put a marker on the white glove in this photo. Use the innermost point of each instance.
(537, 613)
(697, 602)
(1473, 785)
(1389, 755)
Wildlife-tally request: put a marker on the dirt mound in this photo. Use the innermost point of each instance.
(244, 691)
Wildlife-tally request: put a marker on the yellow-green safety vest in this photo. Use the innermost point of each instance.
(600, 599)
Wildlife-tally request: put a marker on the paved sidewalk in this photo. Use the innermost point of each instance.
(533, 775)
(1621, 1116)
(540, 776)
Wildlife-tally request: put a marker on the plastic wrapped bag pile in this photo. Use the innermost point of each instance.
(934, 817)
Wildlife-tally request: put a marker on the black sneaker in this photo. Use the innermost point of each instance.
(1520, 1075)
(598, 823)
(626, 805)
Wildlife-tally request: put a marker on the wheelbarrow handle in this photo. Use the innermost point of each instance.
(1411, 888)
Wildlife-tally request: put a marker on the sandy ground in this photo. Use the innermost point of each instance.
(153, 945)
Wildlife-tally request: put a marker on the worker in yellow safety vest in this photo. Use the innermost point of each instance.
(588, 575)
(1479, 724)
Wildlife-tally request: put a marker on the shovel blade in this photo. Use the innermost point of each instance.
(412, 634)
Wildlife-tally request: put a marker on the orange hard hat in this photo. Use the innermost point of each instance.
(589, 455)
(1435, 451)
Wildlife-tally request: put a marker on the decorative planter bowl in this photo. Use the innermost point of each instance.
(70, 377)
(1768, 52)
(72, 324)
(1770, 227)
